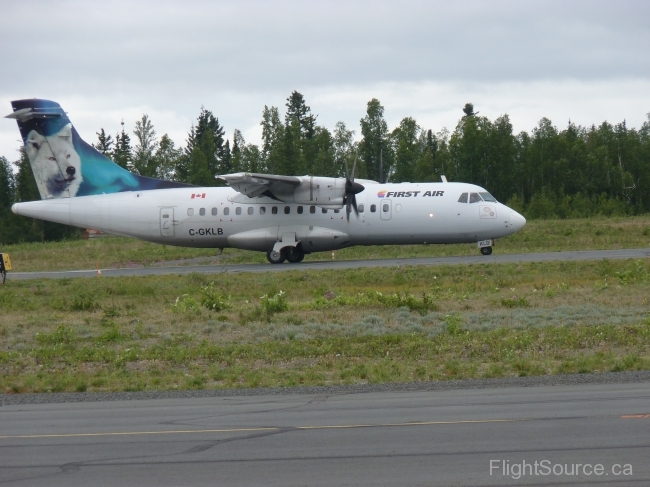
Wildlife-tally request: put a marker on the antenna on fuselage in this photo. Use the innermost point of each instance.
(444, 179)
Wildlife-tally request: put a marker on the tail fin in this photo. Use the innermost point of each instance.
(63, 164)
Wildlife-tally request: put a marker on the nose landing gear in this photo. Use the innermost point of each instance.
(486, 250)
(486, 246)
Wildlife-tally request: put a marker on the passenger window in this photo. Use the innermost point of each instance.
(287, 210)
(262, 210)
(360, 208)
(226, 211)
(190, 211)
(398, 207)
(336, 211)
(274, 210)
(202, 211)
(238, 210)
(324, 210)
(300, 210)
(312, 209)
(463, 198)
(251, 210)
(373, 208)
(385, 208)
(474, 198)
(214, 212)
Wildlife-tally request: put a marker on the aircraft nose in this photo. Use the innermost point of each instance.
(517, 221)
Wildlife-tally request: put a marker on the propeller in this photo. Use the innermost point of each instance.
(351, 190)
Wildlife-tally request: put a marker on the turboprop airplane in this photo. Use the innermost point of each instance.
(284, 216)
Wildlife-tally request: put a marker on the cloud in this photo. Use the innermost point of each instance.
(583, 60)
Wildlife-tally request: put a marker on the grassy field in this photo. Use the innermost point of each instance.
(331, 327)
(537, 236)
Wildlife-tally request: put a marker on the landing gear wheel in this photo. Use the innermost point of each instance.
(295, 255)
(486, 250)
(276, 257)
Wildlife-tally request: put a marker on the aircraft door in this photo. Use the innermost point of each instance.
(385, 209)
(167, 222)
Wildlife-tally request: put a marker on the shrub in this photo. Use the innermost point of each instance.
(275, 304)
(212, 299)
(185, 304)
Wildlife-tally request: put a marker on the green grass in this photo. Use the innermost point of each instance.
(537, 236)
(326, 327)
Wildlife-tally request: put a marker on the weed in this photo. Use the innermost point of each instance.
(213, 299)
(515, 302)
(274, 304)
(63, 335)
(111, 334)
(84, 301)
(454, 324)
(185, 304)
(111, 311)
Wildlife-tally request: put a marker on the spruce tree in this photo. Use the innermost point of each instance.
(122, 155)
(104, 143)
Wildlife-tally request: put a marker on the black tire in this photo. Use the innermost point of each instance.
(295, 255)
(276, 257)
(486, 250)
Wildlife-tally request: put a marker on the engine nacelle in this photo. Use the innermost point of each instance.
(320, 191)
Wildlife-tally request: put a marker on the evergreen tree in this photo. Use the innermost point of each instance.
(299, 112)
(144, 162)
(208, 136)
(104, 143)
(426, 167)
(7, 185)
(122, 155)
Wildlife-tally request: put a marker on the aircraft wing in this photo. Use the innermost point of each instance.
(253, 184)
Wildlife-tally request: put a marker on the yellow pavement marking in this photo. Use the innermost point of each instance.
(418, 423)
(238, 430)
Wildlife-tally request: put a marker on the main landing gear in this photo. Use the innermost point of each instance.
(292, 254)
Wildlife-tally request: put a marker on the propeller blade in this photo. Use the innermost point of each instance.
(353, 168)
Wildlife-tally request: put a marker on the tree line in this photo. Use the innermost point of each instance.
(547, 173)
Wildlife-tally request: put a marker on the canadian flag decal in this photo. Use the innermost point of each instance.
(198, 195)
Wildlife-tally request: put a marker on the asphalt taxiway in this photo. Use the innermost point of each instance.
(462, 437)
(344, 264)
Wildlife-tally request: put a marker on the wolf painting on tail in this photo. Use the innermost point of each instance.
(64, 165)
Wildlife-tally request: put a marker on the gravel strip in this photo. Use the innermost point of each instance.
(544, 380)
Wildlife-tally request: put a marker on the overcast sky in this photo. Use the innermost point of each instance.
(106, 61)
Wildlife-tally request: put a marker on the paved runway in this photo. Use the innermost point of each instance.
(431, 438)
(346, 264)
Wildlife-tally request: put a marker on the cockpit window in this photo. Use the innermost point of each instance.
(463, 198)
(488, 197)
(474, 198)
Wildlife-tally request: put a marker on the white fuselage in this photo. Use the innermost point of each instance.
(406, 213)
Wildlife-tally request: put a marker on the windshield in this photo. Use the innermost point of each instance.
(488, 197)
